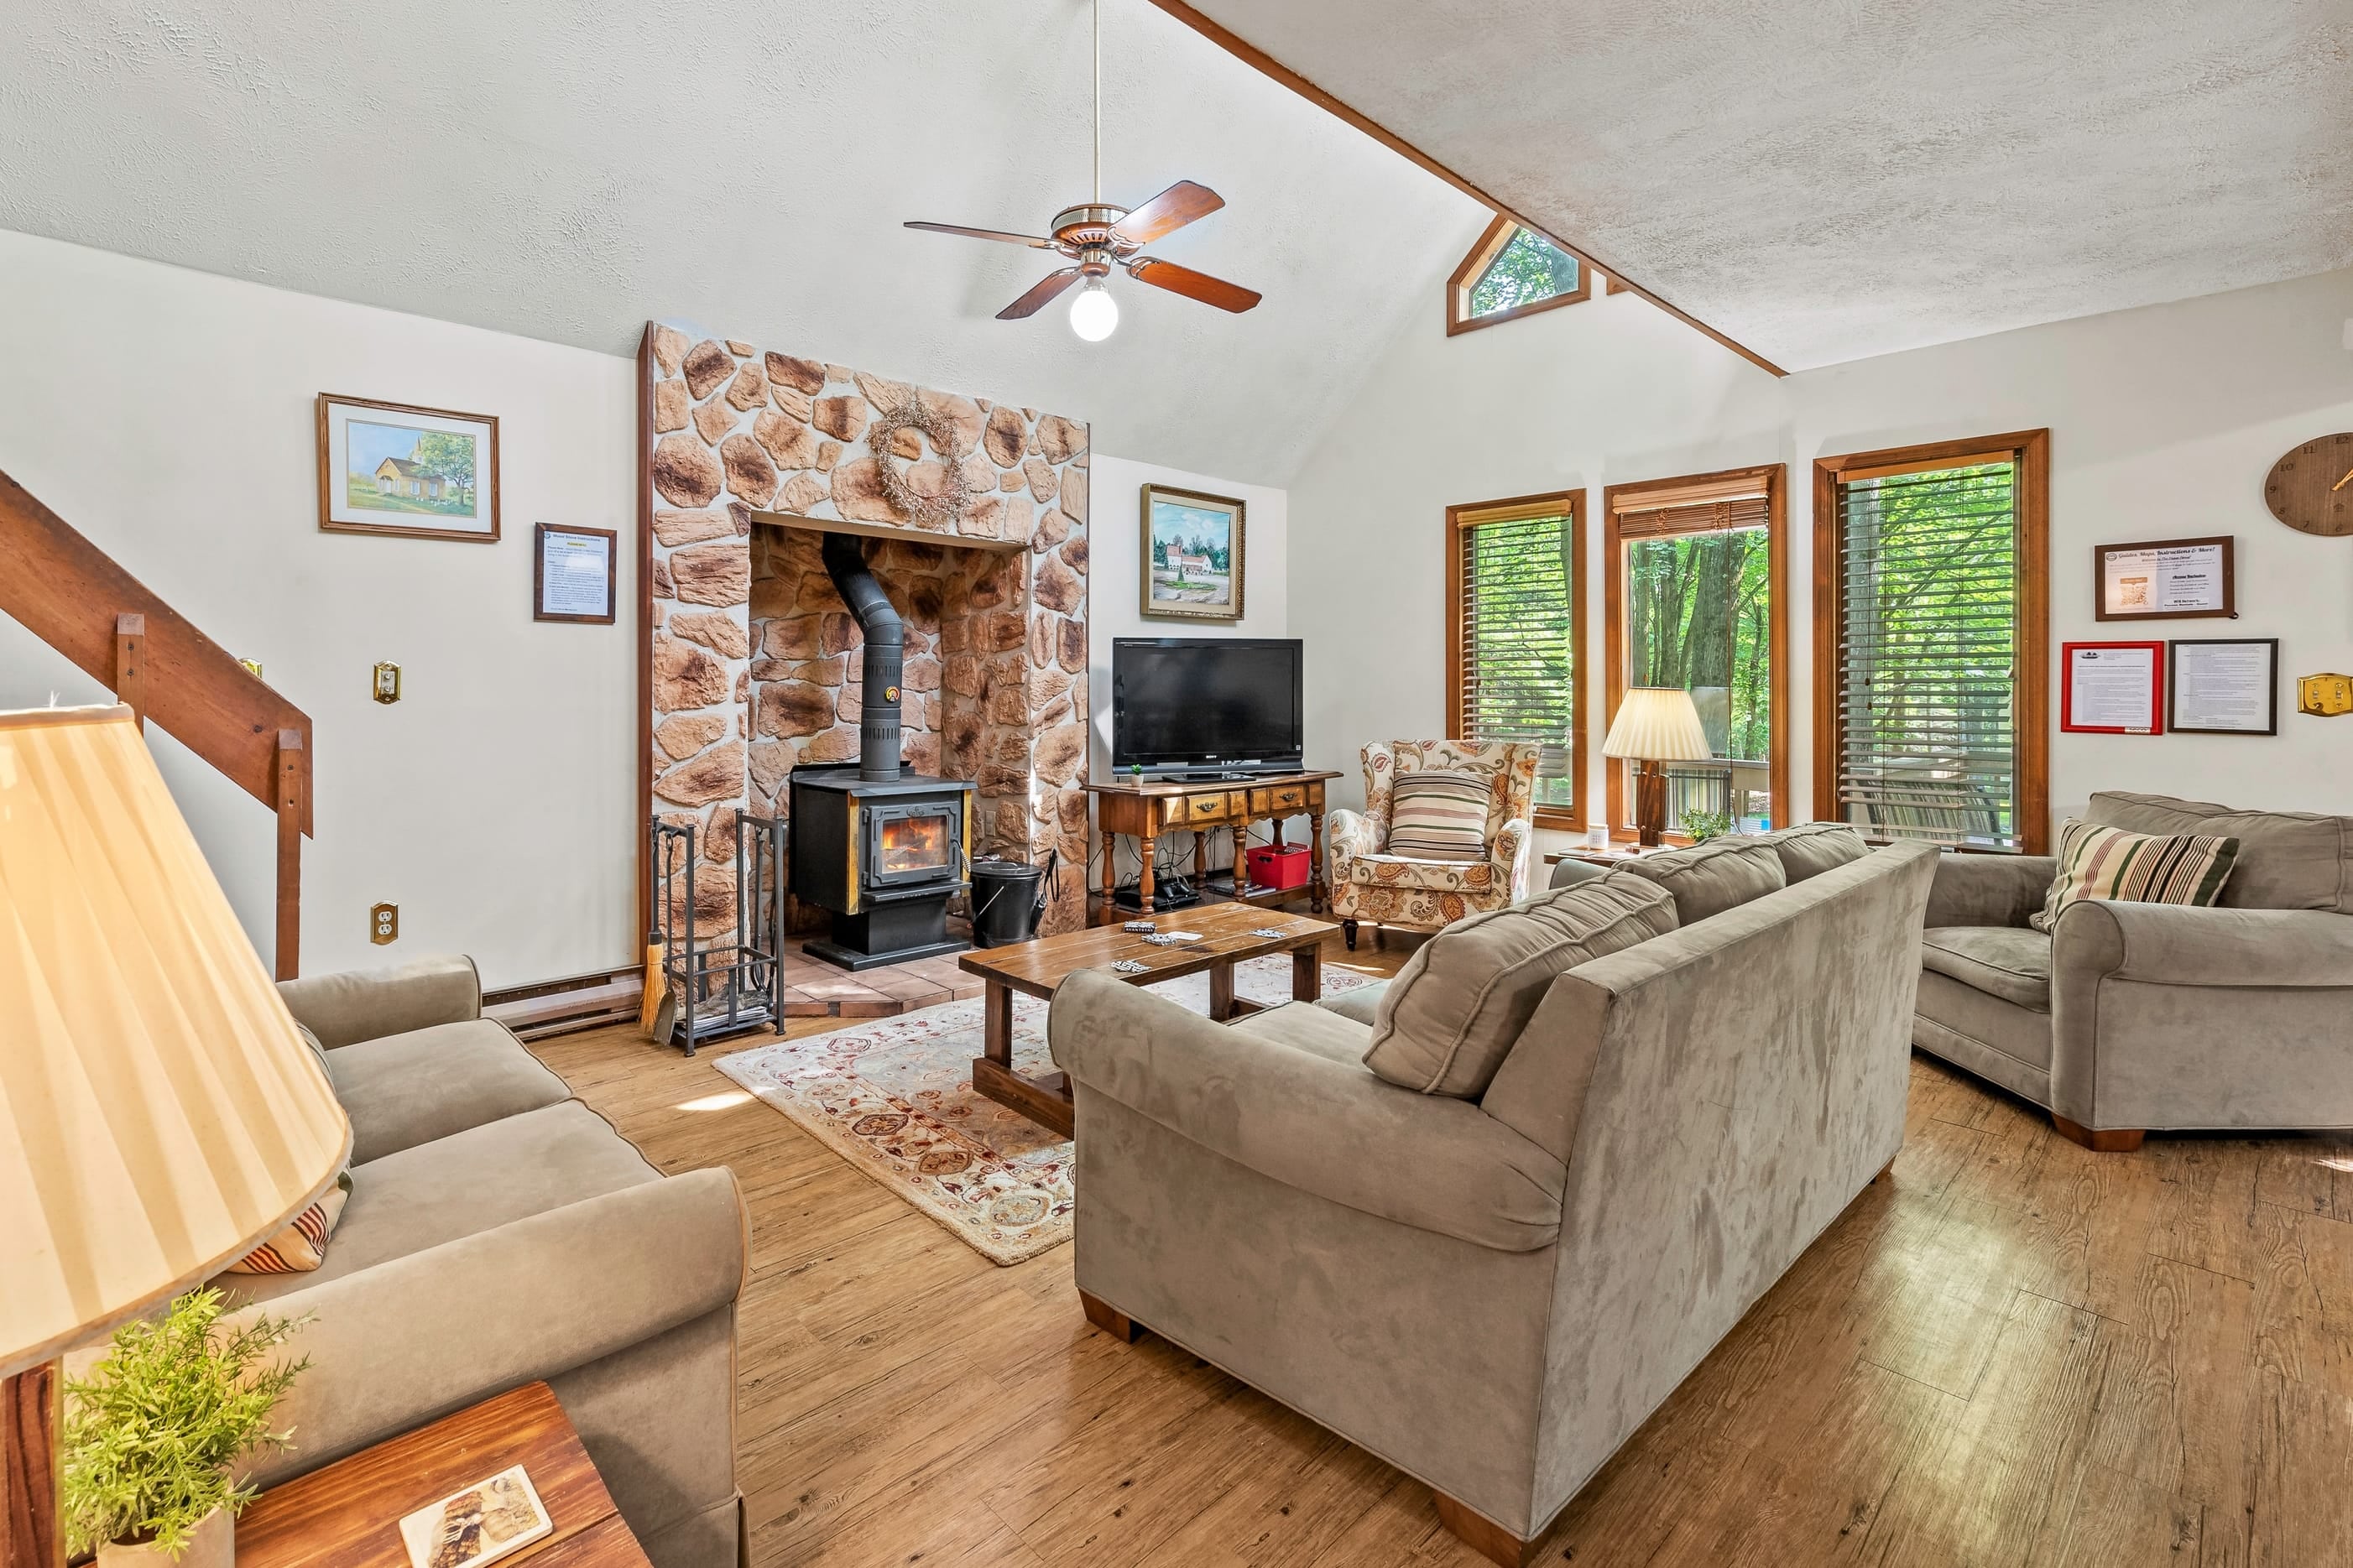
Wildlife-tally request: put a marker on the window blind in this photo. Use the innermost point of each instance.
(1928, 654)
(1518, 669)
(1714, 517)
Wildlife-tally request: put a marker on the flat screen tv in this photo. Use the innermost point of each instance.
(1198, 705)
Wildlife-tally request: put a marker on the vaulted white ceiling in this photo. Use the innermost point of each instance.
(566, 169)
(1825, 181)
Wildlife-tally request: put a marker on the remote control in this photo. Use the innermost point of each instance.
(1140, 926)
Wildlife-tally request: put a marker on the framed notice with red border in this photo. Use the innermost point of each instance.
(2111, 688)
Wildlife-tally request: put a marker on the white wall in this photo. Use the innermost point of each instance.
(1114, 546)
(167, 414)
(2164, 422)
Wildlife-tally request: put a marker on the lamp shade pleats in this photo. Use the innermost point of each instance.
(159, 1112)
(1657, 724)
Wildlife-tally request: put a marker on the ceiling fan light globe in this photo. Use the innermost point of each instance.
(1094, 314)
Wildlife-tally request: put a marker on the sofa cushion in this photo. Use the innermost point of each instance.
(1312, 1027)
(1434, 875)
(406, 1089)
(2288, 860)
(1709, 878)
(1811, 848)
(1439, 815)
(2001, 961)
(1361, 1002)
(2115, 866)
(1452, 1015)
(466, 1183)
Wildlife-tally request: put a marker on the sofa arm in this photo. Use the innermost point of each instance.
(369, 1004)
(2178, 945)
(1511, 855)
(1325, 1127)
(411, 1340)
(1989, 890)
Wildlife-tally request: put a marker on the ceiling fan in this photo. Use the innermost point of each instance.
(1098, 236)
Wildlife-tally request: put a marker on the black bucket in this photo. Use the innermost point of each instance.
(1007, 898)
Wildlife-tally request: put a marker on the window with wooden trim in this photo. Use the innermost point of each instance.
(1696, 598)
(1931, 630)
(1515, 621)
(1509, 273)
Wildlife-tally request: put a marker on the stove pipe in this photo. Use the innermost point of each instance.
(878, 730)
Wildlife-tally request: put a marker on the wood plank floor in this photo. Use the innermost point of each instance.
(2015, 1351)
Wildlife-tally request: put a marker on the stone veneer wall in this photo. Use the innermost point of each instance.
(753, 657)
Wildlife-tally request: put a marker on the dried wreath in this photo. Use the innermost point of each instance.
(956, 493)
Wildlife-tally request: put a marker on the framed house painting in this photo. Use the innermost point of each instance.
(1193, 554)
(389, 468)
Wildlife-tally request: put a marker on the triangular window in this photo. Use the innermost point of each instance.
(1510, 272)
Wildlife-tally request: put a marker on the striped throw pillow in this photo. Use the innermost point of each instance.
(1439, 816)
(2109, 863)
(302, 1246)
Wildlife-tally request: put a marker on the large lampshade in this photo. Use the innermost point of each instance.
(159, 1113)
(1657, 724)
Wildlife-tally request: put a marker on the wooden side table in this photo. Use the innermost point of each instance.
(347, 1514)
(1145, 811)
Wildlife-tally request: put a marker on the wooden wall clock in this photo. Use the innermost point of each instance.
(2311, 489)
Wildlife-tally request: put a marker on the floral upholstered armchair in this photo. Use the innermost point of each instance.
(1370, 883)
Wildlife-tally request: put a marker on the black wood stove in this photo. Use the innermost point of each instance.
(882, 848)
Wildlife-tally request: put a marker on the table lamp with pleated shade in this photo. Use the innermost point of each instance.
(159, 1113)
(1656, 724)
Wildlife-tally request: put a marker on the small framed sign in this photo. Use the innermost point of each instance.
(2165, 580)
(572, 573)
(2111, 688)
(2223, 686)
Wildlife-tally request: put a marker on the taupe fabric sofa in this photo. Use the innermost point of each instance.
(2132, 1016)
(1493, 1292)
(500, 1232)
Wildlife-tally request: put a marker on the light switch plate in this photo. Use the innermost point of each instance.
(384, 924)
(2327, 695)
(387, 684)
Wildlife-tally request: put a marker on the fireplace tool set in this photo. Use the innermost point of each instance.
(711, 989)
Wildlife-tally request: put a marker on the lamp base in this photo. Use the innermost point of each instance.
(1650, 803)
(29, 1469)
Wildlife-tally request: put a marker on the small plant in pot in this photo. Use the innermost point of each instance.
(1703, 825)
(151, 1435)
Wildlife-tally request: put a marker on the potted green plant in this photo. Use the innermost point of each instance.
(1703, 825)
(151, 1435)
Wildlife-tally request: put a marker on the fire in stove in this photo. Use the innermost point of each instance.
(914, 844)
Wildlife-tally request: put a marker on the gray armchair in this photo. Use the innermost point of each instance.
(2131, 1017)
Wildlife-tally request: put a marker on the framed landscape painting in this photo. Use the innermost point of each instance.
(1192, 554)
(389, 468)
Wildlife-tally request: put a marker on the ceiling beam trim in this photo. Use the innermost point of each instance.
(1259, 60)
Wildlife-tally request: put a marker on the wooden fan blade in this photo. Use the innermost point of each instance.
(1029, 239)
(1169, 211)
(1039, 296)
(1193, 285)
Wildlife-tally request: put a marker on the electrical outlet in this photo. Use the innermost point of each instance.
(384, 924)
(387, 682)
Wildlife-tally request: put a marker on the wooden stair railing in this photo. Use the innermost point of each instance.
(72, 595)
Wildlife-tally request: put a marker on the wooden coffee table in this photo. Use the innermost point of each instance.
(1038, 968)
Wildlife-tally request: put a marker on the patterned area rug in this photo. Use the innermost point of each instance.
(895, 1099)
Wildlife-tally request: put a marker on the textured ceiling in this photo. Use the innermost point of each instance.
(566, 170)
(1826, 181)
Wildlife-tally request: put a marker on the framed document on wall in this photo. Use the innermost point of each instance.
(572, 573)
(2223, 686)
(2165, 580)
(2111, 688)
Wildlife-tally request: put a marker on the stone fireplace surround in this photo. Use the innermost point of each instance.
(750, 659)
